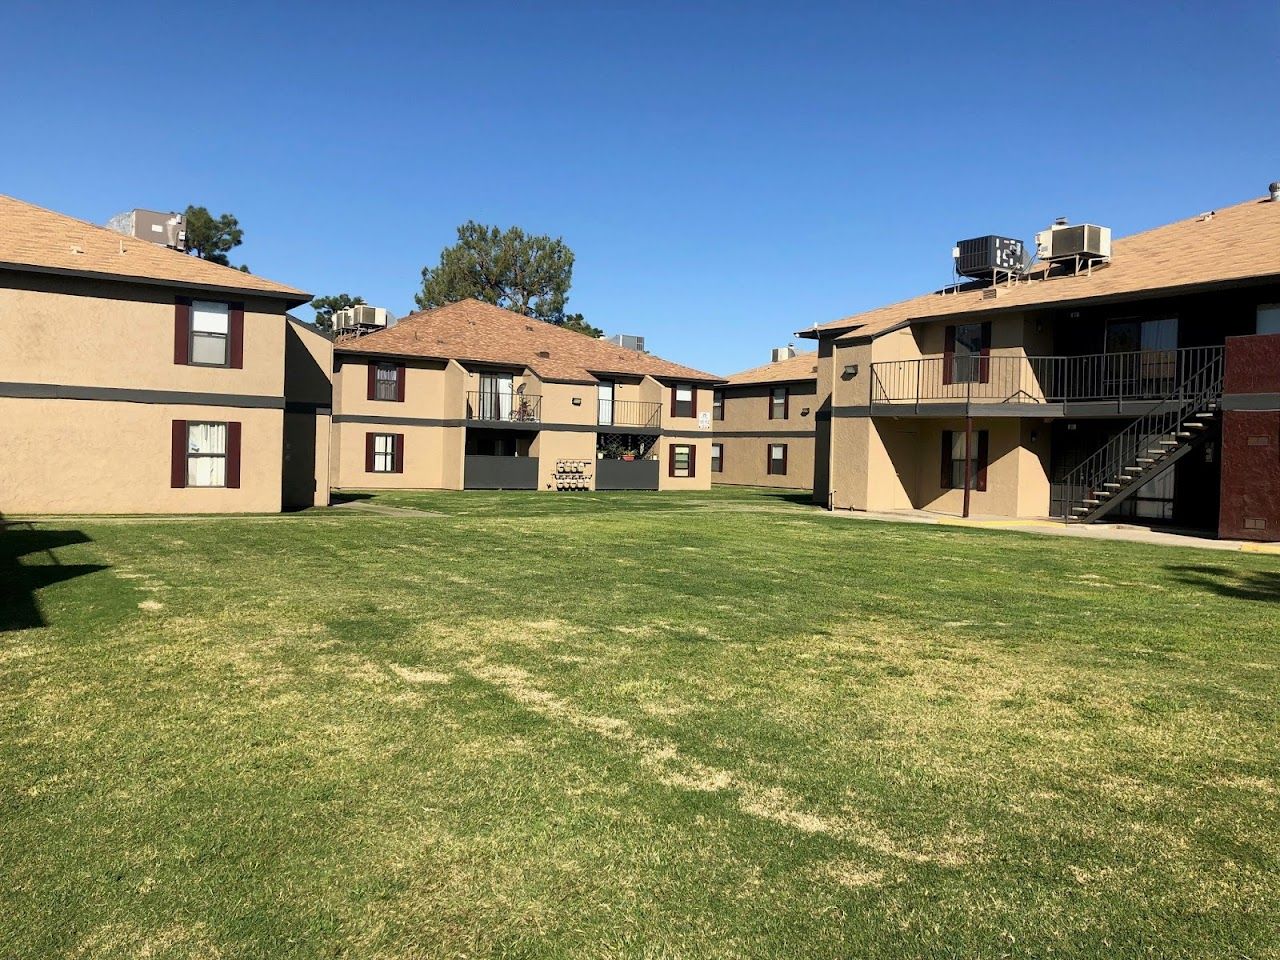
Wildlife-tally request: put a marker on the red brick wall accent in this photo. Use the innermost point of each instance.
(1253, 364)
(1250, 474)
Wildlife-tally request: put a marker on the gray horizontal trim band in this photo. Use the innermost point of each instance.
(762, 433)
(529, 426)
(57, 391)
(1251, 401)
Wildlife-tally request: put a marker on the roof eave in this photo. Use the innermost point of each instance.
(293, 298)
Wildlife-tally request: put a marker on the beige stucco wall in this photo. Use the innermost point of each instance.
(104, 334)
(746, 411)
(78, 456)
(113, 456)
(890, 463)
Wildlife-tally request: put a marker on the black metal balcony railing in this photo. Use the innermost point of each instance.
(1140, 375)
(503, 407)
(629, 413)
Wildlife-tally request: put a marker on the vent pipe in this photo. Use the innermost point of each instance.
(1275, 191)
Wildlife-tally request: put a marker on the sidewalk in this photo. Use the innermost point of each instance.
(1130, 533)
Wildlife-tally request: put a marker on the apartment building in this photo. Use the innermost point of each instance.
(763, 420)
(137, 379)
(1137, 381)
(471, 396)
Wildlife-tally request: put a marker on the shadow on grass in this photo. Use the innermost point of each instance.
(20, 581)
(1261, 585)
(804, 497)
(345, 496)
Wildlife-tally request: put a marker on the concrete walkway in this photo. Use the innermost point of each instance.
(1126, 532)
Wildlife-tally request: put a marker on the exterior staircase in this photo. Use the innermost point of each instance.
(1151, 444)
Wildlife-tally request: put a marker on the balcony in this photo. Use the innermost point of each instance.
(1110, 384)
(493, 406)
(629, 414)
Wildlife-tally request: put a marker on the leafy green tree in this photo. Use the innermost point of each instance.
(212, 238)
(529, 274)
(575, 321)
(326, 307)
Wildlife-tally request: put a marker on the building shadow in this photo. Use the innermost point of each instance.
(1262, 585)
(346, 496)
(28, 564)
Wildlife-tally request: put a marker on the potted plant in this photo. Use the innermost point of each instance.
(628, 455)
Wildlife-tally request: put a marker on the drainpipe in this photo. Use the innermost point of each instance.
(968, 459)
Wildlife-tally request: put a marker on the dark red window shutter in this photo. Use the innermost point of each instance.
(949, 356)
(693, 452)
(946, 459)
(671, 460)
(368, 452)
(373, 379)
(399, 386)
(178, 451)
(984, 362)
(983, 451)
(399, 448)
(786, 402)
(673, 402)
(181, 331)
(784, 459)
(235, 336)
(693, 412)
(233, 453)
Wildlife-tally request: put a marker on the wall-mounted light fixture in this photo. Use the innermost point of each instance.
(577, 401)
(850, 371)
(804, 411)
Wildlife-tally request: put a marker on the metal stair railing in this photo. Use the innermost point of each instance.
(1199, 384)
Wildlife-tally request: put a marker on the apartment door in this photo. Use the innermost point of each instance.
(1142, 356)
(604, 412)
(496, 392)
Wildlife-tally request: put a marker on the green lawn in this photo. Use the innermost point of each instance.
(649, 725)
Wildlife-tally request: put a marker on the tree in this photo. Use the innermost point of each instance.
(326, 307)
(575, 322)
(508, 268)
(212, 238)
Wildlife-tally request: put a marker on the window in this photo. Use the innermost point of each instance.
(386, 384)
(717, 458)
(681, 462)
(967, 357)
(777, 463)
(717, 405)
(210, 334)
(953, 460)
(384, 452)
(1269, 318)
(206, 454)
(684, 402)
(779, 402)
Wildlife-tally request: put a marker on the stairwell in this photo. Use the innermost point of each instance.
(1152, 443)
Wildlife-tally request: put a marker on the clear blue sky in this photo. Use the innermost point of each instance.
(726, 173)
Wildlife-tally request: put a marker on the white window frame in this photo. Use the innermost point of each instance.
(384, 453)
(210, 323)
(211, 459)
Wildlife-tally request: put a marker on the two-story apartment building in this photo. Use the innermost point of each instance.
(137, 379)
(764, 423)
(471, 396)
(1108, 391)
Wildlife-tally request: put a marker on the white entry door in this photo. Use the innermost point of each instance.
(605, 412)
(495, 396)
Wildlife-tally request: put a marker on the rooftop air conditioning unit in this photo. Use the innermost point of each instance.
(783, 353)
(628, 341)
(983, 258)
(165, 229)
(1084, 241)
(361, 316)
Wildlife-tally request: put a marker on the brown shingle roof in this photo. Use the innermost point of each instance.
(1237, 243)
(35, 238)
(481, 332)
(803, 366)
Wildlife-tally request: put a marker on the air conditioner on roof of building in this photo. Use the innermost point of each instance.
(783, 353)
(1085, 241)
